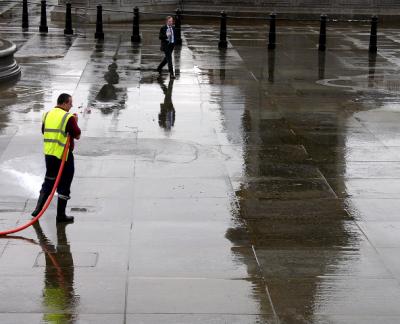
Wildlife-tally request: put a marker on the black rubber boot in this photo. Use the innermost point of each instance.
(61, 216)
(40, 203)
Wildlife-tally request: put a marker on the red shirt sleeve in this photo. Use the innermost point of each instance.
(72, 128)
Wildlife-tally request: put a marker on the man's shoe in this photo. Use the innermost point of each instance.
(61, 216)
(40, 203)
(158, 70)
(65, 219)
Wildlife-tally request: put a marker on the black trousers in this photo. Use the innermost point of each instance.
(168, 49)
(52, 167)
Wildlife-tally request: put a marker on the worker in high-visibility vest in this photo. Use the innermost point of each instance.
(57, 124)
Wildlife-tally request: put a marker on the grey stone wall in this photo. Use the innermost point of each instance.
(125, 6)
(302, 4)
(292, 8)
(303, 7)
(119, 3)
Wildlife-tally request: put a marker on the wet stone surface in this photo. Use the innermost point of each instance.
(257, 187)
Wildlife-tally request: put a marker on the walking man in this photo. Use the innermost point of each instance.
(167, 37)
(57, 124)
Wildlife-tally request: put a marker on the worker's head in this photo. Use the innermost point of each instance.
(169, 20)
(64, 101)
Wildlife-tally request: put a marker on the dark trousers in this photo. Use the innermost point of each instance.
(168, 49)
(52, 167)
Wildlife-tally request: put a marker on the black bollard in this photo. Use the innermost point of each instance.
(178, 24)
(373, 39)
(371, 69)
(99, 23)
(222, 35)
(177, 57)
(321, 65)
(43, 18)
(25, 17)
(271, 66)
(322, 34)
(222, 64)
(272, 31)
(68, 21)
(135, 38)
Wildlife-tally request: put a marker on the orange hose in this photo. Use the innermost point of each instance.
(48, 201)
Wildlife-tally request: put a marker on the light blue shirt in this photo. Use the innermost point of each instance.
(171, 38)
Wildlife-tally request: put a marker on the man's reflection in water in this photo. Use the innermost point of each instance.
(166, 117)
(58, 295)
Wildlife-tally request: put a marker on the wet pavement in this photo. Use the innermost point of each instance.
(257, 187)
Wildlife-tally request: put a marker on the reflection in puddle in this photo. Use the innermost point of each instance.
(321, 65)
(109, 98)
(166, 117)
(377, 82)
(271, 66)
(59, 298)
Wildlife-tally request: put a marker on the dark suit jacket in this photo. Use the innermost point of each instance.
(163, 37)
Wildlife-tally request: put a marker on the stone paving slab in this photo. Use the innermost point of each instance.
(196, 318)
(216, 296)
(270, 198)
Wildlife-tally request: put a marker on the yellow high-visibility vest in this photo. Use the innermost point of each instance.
(55, 136)
(56, 303)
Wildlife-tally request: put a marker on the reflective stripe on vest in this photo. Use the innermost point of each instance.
(54, 134)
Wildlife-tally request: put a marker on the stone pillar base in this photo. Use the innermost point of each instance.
(9, 69)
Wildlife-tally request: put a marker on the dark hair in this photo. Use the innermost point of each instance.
(63, 98)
